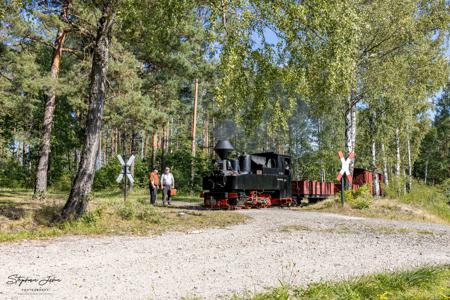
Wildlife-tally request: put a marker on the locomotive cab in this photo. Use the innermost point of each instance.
(250, 180)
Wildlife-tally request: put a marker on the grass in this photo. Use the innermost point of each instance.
(424, 283)
(24, 218)
(345, 229)
(431, 199)
(294, 227)
(424, 203)
(386, 208)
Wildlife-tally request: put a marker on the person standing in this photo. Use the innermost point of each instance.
(167, 183)
(153, 185)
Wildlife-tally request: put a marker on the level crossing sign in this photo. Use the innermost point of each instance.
(125, 173)
(345, 170)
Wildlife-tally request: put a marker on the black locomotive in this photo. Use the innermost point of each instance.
(249, 180)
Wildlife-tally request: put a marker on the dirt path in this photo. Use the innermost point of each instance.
(278, 244)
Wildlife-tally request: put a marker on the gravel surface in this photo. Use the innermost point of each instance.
(276, 245)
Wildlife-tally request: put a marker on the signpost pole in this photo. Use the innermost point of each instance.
(128, 176)
(125, 185)
(344, 172)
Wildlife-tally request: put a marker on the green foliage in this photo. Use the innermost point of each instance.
(92, 217)
(141, 171)
(140, 210)
(431, 198)
(283, 70)
(446, 188)
(14, 175)
(180, 163)
(396, 187)
(63, 182)
(105, 177)
(434, 158)
(348, 194)
(359, 199)
(127, 210)
(423, 283)
(148, 213)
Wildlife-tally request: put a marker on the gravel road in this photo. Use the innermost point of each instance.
(276, 245)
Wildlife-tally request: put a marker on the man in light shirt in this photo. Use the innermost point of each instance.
(167, 183)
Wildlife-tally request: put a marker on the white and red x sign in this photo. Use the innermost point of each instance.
(345, 166)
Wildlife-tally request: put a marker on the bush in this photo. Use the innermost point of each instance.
(127, 211)
(396, 187)
(63, 183)
(446, 189)
(14, 175)
(105, 177)
(180, 163)
(359, 199)
(141, 171)
(431, 198)
(92, 217)
(348, 194)
(149, 214)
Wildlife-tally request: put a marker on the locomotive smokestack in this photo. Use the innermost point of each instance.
(223, 148)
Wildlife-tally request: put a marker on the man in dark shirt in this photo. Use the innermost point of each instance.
(153, 185)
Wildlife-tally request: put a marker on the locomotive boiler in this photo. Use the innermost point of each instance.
(247, 180)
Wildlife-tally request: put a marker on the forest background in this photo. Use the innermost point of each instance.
(84, 81)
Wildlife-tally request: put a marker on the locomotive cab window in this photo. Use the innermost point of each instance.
(271, 162)
(287, 166)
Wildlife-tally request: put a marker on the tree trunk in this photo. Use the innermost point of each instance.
(106, 150)
(350, 132)
(116, 142)
(82, 184)
(408, 145)
(404, 185)
(133, 152)
(206, 129)
(385, 165)
(398, 162)
(77, 157)
(376, 183)
(146, 143)
(99, 160)
(426, 170)
(373, 131)
(194, 130)
(42, 170)
(163, 147)
(143, 137)
(154, 147)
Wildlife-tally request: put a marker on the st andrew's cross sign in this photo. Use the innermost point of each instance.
(345, 170)
(125, 173)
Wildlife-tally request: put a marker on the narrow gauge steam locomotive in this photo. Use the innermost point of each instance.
(256, 180)
(264, 179)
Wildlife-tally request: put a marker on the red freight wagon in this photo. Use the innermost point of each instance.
(316, 190)
(363, 176)
(312, 190)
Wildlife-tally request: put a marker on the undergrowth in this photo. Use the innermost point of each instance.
(24, 218)
(423, 283)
